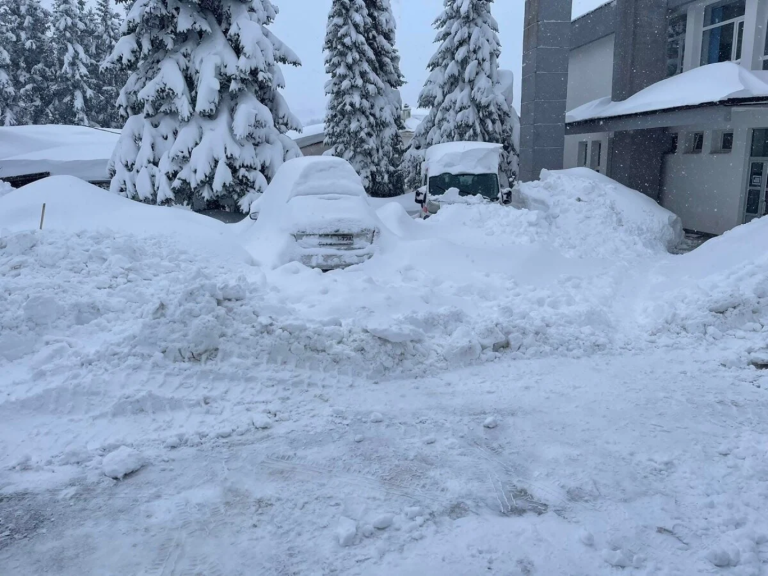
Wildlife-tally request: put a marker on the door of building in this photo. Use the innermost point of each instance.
(757, 187)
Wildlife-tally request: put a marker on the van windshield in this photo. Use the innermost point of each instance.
(486, 185)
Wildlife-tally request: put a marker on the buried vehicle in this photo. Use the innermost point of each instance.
(460, 173)
(315, 211)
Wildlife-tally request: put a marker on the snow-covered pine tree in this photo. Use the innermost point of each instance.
(108, 79)
(358, 121)
(34, 55)
(8, 96)
(72, 85)
(381, 39)
(206, 120)
(463, 90)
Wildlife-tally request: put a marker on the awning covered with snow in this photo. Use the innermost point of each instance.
(725, 82)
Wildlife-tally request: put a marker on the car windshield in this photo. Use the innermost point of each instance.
(486, 185)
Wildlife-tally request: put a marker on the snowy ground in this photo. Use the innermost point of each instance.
(501, 391)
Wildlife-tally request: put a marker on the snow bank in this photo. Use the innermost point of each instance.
(73, 205)
(720, 288)
(702, 85)
(580, 212)
(584, 270)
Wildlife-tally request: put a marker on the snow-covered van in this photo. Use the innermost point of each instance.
(462, 172)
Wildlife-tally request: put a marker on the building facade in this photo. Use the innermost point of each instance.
(669, 97)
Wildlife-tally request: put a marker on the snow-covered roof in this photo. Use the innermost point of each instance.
(313, 134)
(61, 150)
(704, 85)
(463, 158)
(583, 7)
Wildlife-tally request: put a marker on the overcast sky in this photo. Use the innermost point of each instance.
(301, 25)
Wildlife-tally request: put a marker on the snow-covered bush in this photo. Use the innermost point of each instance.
(463, 91)
(206, 120)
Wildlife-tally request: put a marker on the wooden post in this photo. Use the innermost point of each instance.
(42, 217)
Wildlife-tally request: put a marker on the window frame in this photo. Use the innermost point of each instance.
(582, 159)
(739, 30)
(718, 140)
(764, 56)
(596, 155)
(690, 142)
(681, 38)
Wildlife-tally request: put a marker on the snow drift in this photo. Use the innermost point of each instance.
(584, 270)
(73, 206)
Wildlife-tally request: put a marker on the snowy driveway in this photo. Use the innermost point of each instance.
(499, 391)
(654, 462)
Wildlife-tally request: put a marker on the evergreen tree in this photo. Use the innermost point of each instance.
(359, 119)
(72, 85)
(8, 95)
(381, 38)
(108, 79)
(463, 90)
(35, 62)
(206, 120)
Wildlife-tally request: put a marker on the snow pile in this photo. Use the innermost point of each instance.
(122, 462)
(720, 288)
(74, 206)
(580, 212)
(5, 188)
(139, 285)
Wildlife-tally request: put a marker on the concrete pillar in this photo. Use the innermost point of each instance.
(640, 57)
(546, 46)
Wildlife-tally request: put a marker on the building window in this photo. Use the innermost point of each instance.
(595, 156)
(723, 36)
(760, 143)
(764, 57)
(582, 159)
(722, 142)
(676, 28)
(673, 149)
(694, 143)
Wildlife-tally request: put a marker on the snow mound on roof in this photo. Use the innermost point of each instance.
(73, 205)
(702, 85)
(580, 212)
(463, 158)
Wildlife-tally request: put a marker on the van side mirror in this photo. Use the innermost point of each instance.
(254, 215)
(421, 195)
(506, 196)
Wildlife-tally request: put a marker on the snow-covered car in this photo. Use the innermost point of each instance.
(315, 211)
(461, 172)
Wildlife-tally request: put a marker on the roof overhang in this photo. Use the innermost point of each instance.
(708, 114)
